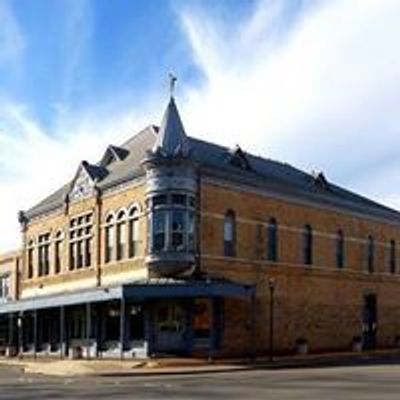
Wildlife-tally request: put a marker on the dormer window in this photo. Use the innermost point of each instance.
(238, 158)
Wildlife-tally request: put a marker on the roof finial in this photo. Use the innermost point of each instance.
(172, 82)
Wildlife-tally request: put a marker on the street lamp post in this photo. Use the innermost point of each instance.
(271, 286)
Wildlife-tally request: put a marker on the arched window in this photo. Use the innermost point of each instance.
(392, 257)
(272, 240)
(339, 249)
(31, 245)
(370, 254)
(308, 245)
(109, 238)
(121, 235)
(133, 232)
(230, 234)
(58, 252)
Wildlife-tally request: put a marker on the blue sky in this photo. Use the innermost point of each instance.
(315, 83)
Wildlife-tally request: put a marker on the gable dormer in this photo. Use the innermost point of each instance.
(238, 158)
(85, 180)
(112, 154)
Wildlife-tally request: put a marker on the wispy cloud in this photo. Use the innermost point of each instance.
(316, 84)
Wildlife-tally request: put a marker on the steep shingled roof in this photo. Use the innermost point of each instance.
(276, 177)
(171, 139)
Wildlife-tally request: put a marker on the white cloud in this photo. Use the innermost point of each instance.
(34, 163)
(318, 88)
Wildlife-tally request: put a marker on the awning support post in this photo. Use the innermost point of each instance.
(34, 334)
(62, 327)
(253, 325)
(20, 323)
(88, 328)
(122, 327)
(10, 332)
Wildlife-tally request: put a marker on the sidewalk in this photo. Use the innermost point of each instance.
(182, 366)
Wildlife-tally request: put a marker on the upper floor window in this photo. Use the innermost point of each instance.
(121, 235)
(133, 232)
(80, 241)
(272, 240)
(308, 245)
(230, 234)
(339, 249)
(370, 254)
(4, 287)
(44, 254)
(171, 222)
(109, 238)
(30, 259)
(392, 257)
(58, 252)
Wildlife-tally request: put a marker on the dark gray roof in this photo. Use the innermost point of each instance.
(171, 139)
(279, 178)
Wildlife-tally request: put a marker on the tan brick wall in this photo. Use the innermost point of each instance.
(10, 264)
(124, 270)
(319, 303)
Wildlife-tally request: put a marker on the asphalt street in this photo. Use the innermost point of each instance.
(355, 382)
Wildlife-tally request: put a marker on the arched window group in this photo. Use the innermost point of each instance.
(121, 235)
(44, 254)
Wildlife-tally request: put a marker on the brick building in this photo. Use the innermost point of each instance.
(174, 245)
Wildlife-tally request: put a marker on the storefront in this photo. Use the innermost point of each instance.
(155, 317)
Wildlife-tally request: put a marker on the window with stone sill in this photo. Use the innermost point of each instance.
(370, 254)
(31, 253)
(272, 240)
(121, 235)
(133, 232)
(58, 242)
(308, 245)
(109, 238)
(44, 254)
(230, 234)
(171, 222)
(4, 287)
(392, 257)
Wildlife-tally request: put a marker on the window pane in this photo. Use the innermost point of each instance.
(159, 228)
(178, 229)
(191, 232)
(158, 200)
(179, 199)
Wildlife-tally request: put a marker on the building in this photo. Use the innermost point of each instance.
(173, 245)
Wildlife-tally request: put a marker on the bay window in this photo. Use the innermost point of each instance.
(172, 222)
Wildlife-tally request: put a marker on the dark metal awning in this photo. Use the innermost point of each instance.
(141, 290)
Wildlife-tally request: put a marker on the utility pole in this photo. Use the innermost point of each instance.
(271, 286)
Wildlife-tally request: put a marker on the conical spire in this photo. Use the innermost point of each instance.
(171, 138)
